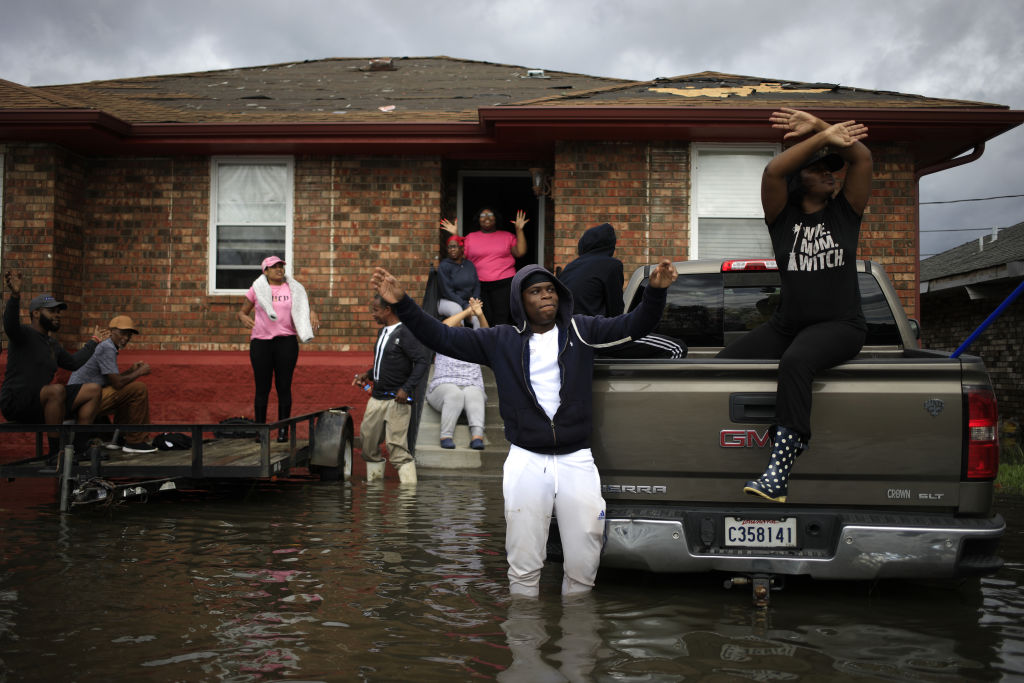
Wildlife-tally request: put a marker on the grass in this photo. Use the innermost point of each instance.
(1011, 469)
(1011, 479)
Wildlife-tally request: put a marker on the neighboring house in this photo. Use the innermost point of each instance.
(160, 195)
(960, 288)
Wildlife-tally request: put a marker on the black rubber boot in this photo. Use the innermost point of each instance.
(773, 484)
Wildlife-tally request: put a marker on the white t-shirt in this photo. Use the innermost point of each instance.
(544, 374)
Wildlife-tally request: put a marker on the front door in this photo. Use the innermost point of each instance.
(505, 192)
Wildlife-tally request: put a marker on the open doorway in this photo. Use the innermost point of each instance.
(505, 192)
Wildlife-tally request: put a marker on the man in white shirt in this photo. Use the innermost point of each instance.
(543, 368)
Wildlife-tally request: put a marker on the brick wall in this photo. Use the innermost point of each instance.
(889, 232)
(131, 234)
(641, 189)
(948, 317)
(30, 214)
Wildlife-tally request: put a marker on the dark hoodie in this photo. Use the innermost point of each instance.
(506, 350)
(595, 278)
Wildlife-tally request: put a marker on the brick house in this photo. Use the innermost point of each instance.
(160, 195)
(960, 288)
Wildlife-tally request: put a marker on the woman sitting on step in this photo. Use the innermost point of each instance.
(457, 386)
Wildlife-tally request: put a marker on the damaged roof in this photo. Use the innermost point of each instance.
(325, 90)
(712, 89)
(458, 107)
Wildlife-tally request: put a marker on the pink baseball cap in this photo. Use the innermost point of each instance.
(271, 260)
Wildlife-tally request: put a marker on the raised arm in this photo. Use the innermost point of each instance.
(813, 135)
(519, 249)
(458, 342)
(12, 310)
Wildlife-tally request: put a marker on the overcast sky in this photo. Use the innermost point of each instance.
(940, 48)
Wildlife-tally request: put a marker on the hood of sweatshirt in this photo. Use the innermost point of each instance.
(516, 297)
(599, 239)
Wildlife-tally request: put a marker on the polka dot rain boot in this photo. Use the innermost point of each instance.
(773, 484)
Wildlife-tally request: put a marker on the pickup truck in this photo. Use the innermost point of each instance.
(897, 481)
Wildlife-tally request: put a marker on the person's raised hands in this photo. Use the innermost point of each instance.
(521, 220)
(845, 134)
(797, 123)
(12, 279)
(447, 225)
(387, 286)
(663, 274)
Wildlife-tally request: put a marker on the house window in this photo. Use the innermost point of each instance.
(250, 218)
(726, 209)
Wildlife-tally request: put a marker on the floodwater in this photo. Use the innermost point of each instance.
(355, 582)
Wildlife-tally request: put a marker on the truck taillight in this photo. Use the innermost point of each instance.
(982, 434)
(749, 264)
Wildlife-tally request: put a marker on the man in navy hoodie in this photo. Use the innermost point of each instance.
(543, 367)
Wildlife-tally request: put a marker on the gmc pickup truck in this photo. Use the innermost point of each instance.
(897, 481)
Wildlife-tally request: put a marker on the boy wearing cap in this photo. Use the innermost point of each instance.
(122, 394)
(33, 357)
(543, 367)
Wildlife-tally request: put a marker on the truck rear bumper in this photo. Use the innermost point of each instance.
(859, 550)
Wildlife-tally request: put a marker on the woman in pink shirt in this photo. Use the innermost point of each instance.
(276, 309)
(494, 252)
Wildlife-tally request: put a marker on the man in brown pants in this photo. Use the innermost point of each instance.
(123, 395)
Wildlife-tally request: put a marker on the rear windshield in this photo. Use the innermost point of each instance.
(713, 309)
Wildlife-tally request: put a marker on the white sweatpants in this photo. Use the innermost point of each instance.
(534, 485)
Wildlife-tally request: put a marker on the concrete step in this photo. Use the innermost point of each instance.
(429, 454)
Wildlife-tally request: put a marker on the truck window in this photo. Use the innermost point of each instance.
(709, 310)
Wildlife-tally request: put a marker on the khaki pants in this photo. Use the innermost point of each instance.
(129, 405)
(387, 421)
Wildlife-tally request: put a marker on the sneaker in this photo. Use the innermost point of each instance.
(140, 447)
(447, 443)
(477, 444)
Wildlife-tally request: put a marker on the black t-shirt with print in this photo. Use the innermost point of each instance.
(817, 257)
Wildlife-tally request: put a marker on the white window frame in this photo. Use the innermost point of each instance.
(695, 151)
(289, 163)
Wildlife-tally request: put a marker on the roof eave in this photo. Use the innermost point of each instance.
(934, 135)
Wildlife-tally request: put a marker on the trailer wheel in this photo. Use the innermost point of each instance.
(332, 453)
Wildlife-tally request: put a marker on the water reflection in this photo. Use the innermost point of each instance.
(393, 583)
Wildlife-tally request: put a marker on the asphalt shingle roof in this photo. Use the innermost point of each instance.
(423, 89)
(968, 257)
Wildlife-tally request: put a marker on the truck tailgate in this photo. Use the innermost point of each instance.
(887, 432)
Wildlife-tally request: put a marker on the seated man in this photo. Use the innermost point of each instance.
(123, 395)
(33, 356)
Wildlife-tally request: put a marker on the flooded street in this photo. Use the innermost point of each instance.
(339, 582)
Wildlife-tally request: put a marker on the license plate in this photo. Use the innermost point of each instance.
(760, 533)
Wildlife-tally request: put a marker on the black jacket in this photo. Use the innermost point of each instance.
(595, 277)
(506, 349)
(33, 358)
(403, 364)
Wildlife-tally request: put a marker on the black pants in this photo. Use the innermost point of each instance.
(273, 360)
(495, 295)
(814, 348)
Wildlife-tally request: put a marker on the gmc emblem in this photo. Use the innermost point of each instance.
(743, 438)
